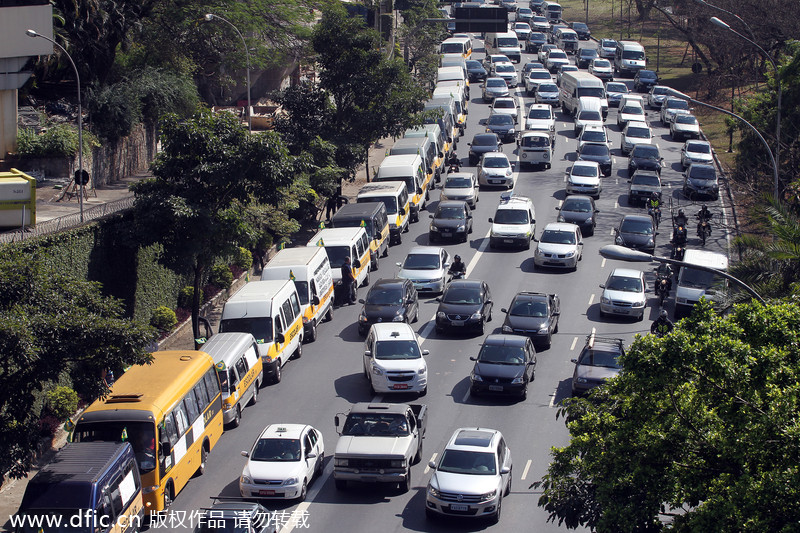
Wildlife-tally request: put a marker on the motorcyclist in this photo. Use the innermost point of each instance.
(680, 219)
(457, 267)
(664, 271)
(704, 215)
(654, 207)
(662, 325)
(679, 235)
(454, 162)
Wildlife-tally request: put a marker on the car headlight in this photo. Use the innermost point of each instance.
(681, 300)
(397, 463)
(604, 300)
(362, 317)
(476, 315)
(552, 127)
(569, 254)
(441, 314)
(651, 242)
(422, 371)
(434, 228)
(582, 380)
(639, 303)
(397, 318)
(544, 329)
(462, 227)
(377, 370)
(340, 462)
(511, 131)
(508, 172)
(476, 377)
(433, 492)
(290, 481)
(488, 495)
(246, 480)
(619, 240)
(561, 218)
(517, 381)
(507, 329)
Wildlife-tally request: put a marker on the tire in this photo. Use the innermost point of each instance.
(203, 461)
(167, 500)
(508, 487)
(424, 392)
(366, 373)
(320, 465)
(405, 485)
(303, 492)
(298, 353)
(496, 516)
(254, 398)
(341, 484)
(237, 418)
(366, 280)
(276, 378)
(482, 328)
(416, 316)
(312, 333)
(329, 314)
(418, 455)
(523, 397)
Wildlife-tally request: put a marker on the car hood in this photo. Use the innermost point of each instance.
(420, 275)
(584, 180)
(401, 365)
(595, 373)
(638, 117)
(481, 149)
(510, 228)
(635, 238)
(501, 128)
(496, 90)
(382, 312)
(646, 164)
(605, 70)
(687, 127)
(488, 171)
(623, 296)
(489, 371)
(646, 188)
(527, 322)
(553, 248)
(537, 124)
(446, 223)
(463, 483)
(576, 217)
(457, 192)
(548, 94)
(372, 446)
(275, 469)
(464, 310)
(694, 156)
(596, 158)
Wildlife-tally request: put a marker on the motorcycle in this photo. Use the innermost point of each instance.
(678, 243)
(655, 214)
(454, 167)
(663, 286)
(456, 275)
(703, 230)
(678, 252)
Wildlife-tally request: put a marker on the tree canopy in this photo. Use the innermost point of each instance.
(699, 433)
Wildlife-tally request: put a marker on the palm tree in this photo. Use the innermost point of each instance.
(771, 261)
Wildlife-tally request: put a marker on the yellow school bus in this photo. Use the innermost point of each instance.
(171, 413)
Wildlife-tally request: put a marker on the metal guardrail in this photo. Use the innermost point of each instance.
(68, 221)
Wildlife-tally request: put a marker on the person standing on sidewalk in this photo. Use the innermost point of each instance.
(348, 283)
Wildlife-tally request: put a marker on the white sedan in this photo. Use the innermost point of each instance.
(282, 462)
(560, 245)
(426, 267)
(495, 169)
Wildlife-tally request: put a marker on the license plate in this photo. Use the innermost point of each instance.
(266, 493)
(459, 507)
(620, 311)
(496, 181)
(446, 232)
(508, 241)
(399, 386)
(496, 388)
(457, 322)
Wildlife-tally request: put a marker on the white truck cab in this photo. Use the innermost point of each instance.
(694, 284)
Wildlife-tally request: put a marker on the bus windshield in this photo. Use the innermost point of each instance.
(141, 435)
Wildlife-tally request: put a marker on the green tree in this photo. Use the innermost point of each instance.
(54, 328)
(699, 433)
(209, 174)
(421, 39)
(374, 96)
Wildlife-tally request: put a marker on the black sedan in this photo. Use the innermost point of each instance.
(483, 143)
(645, 80)
(465, 304)
(502, 125)
(535, 315)
(579, 210)
(585, 56)
(599, 153)
(636, 232)
(645, 157)
(581, 29)
(535, 41)
(505, 365)
(388, 300)
(452, 220)
(475, 70)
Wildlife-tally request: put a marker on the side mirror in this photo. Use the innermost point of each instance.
(429, 170)
(165, 446)
(489, 302)
(367, 353)
(245, 454)
(438, 299)
(357, 263)
(473, 358)
(431, 464)
(402, 211)
(419, 190)
(336, 421)
(573, 360)
(558, 208)
(504, 470)
(361, 300)
(503, 310)
(311, 455)
(557, 313)
(279, 338)
(602, 285)
(315, 300)
(426, 352)
(447, 264)
(440, 155)
(430, 216)
(490, 221)
(469, 144)
(399, 264)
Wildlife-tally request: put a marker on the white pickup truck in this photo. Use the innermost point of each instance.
(378, 443)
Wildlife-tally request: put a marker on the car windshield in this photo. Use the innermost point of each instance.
(500, 119)
(697, 279)
(645, 179)
(557, 55)
(504, 104)
(588, 53)
(485, 140)
(499, 59)
(507, 41)
(636, 55)
(638, 133)
(532, 308)
(660, 90)
(624, 284)
(617, 88)
(278, 450)
(467, 462)
(677, 103)
(547, 88)
(594, 149)
(698, 148)
(511, 216)
(602, 63)
(457, 182)
(590, 115)
(536, 36)
(577, 206)
(540, 113)
(407, 349)
(568, 68)
(505, 68)
(645, 151)
(260, 328)
(601, 358)
(593, 136)
(702, 172)
(452, 48)
(496, 162)
(337, 255)
(558, 237)
(632, 110)
(584, 170)
(361, 424)
(633, 225)
(608, 43)
(535, 141)
(472, 64)
(539, 75)
(579, 26)
(495, 82)
(391, 208)
(501, 355)
(450, 212)
(646, 74)
(595, 92)
(462, 295)
(522, 26)
(422, 262)
(385, 296)
(686, 119)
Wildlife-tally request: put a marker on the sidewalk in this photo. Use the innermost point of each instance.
(64, 214)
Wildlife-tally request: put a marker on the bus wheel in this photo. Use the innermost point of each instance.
(203, 458)
(312, 333)
(167, 496)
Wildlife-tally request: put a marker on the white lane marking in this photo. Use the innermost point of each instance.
(428, 468)
(312, 493)
(426, 330)
(612, 232)
(574, 342)
(591, 299)
(479, 253)
(603, 263)
(525, 472)
(552, 400)
(594, 331)
(616, 204)
(560, 203)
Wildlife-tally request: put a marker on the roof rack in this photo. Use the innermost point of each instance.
(592, 338)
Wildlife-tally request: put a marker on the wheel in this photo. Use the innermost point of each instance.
(254, 398)
(496, 515)
(203, 461)
(424, 392)
(366, 280)
(312, 333)
(320, 464)
(405, 485)
(508, 487)
(277, 377)
(385, 252)
(527, 245)
(481, 328)
(298, 353)
(341, 484)
(523, 397)
(167, 496)
(329, 314)
(303, 492)
(548, 343)
(555, 329)
(418, 455)
(237, 417)
(640, 318)
(366, 373)
(416, 316)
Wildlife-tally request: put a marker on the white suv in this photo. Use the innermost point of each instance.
(394, 360)
(471, 475)
(514, 222)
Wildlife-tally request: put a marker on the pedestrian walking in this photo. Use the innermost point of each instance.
(348, 283)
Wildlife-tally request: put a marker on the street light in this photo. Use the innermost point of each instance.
(208, 18)
(621, 253)
(777, 159)
(734, 15)
(79, 178)
(677, 94)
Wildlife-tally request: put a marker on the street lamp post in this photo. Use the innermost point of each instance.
(79, 174)
(677, 94)
(621, 253)
(209, 17)
(734, 15)
(777, 159)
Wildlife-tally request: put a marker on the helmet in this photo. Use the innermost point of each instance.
(680, 212)
(458, 258)
(654, 195)
(663, 313)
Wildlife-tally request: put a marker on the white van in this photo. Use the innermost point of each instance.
(694, 284)
(426, 149)
(340, 243)
(553, 11)
(505, 43)
(629, 58)
(457, 45)
(578, 84)
(394, 196)
(410, 169)
(567, 40)
(240, 372)
(270, 311)
(514, 222)
(457, 74)
(310, 270)
(590, 113)
(456, 92)
(434, 133)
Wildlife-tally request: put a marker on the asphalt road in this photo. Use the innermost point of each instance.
(328, 378)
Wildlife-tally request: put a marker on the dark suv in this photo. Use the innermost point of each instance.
(645, 157)
(700, 179)
(581, 29)
(465, 304)
(644, 80)
(505, 365)
(598, 361)
(585, 56)
(388, 300)
(533, 314)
